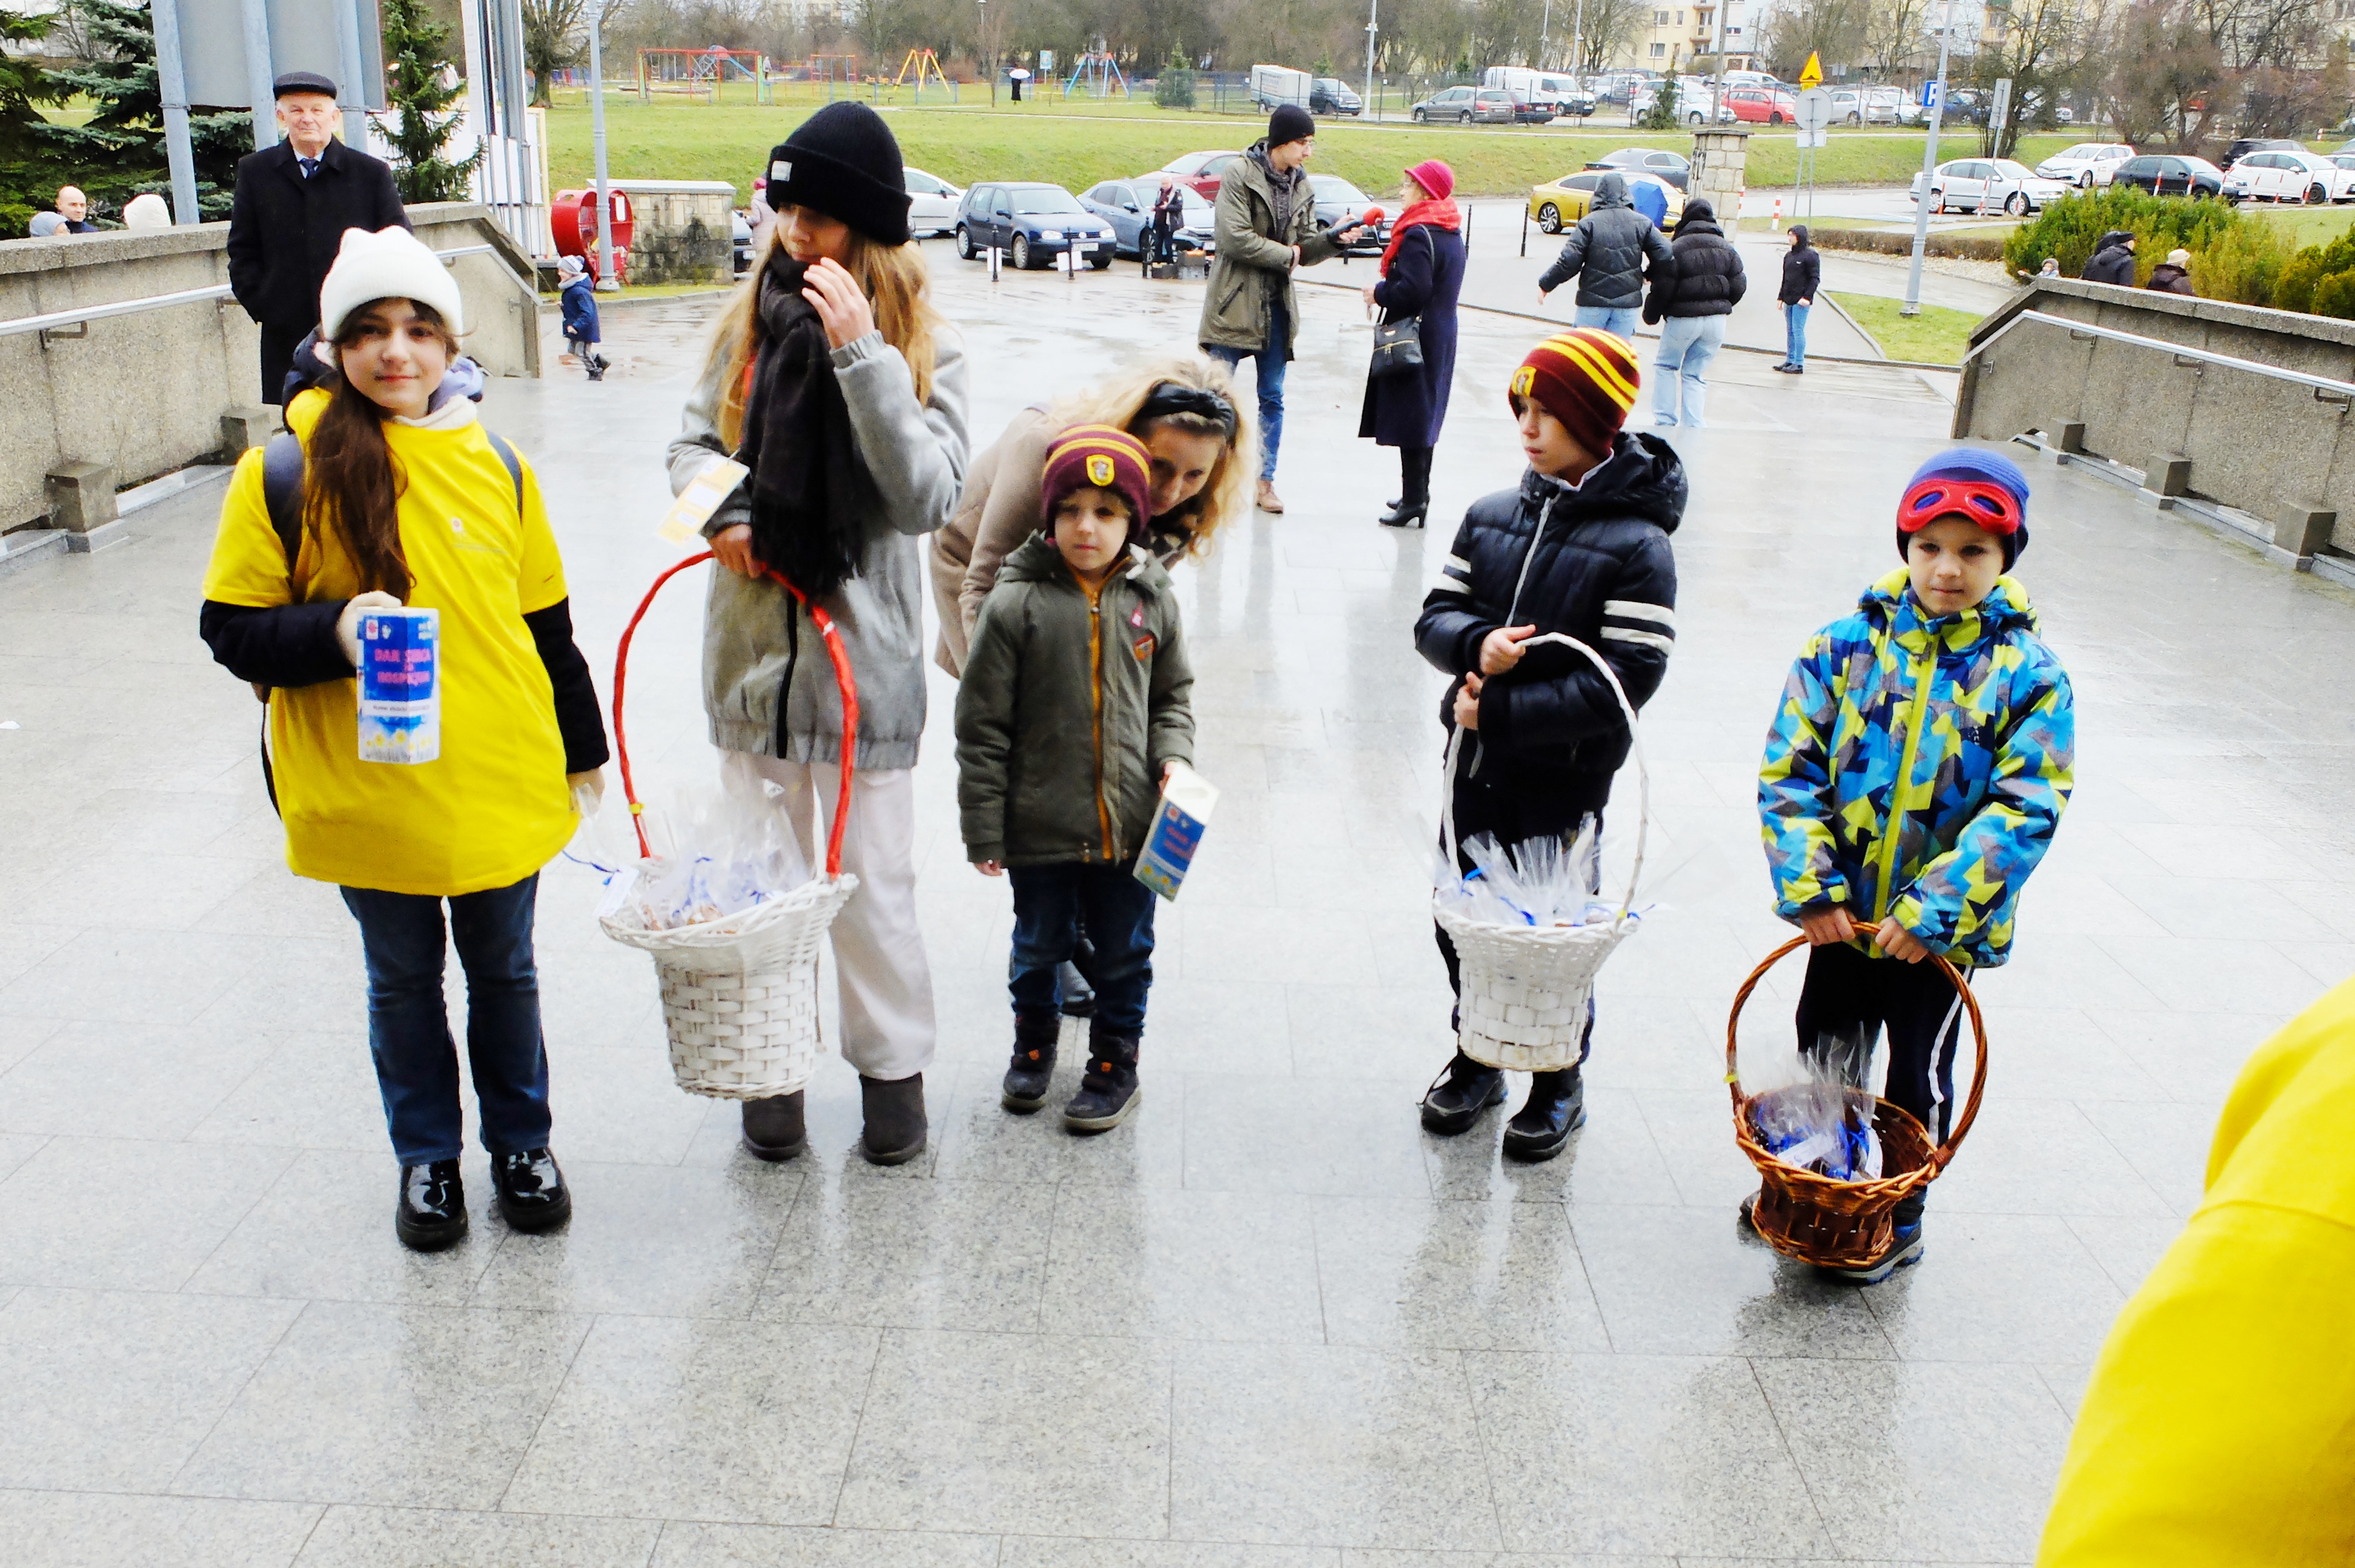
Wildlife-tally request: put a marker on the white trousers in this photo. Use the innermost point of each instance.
(884, 979)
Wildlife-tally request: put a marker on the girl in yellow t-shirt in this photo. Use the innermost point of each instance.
(405, 499)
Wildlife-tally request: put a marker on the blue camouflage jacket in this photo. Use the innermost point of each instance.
(1918, 767)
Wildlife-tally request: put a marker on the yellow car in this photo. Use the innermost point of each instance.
(1558, 203)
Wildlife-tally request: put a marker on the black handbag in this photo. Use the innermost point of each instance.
(1397, 345)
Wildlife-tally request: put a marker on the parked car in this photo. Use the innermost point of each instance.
(1531, 107)
(2248, 145)
(1488, 105)
(2301, 177)
(1984, 185)
(1200, 171)
(1903, 110)
(1127, 205)
(1669, 168)
(1331, 95)
(2175, 173)
(1032, 221)
(739, 230)
(2086, 164)
(1338, 203)
(933, 203)
(1559, 204)
(1692, 103)
(1619, 86)
(1761, 105)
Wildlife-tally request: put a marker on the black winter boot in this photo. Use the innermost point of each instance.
(1556, 1108)
(1033, 1065)
(1460, 1095)
(894, 1114)
(1109, 1091)
(774, 1128)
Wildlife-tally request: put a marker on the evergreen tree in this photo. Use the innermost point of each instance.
(1174, 89)
(417, 51)
(24, 139)
(117, 151)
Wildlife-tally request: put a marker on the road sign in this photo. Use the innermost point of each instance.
(1930, 96)
(1812, 73)
(1814, 109)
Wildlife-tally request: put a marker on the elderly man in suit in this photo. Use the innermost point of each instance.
(293, 204)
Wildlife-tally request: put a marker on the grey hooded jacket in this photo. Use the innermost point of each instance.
(768, 684)
(1607, 252)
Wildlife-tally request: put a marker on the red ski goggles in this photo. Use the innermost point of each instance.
(1990, 507)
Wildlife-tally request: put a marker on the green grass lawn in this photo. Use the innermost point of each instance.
(1078, 143)
(1937, 336)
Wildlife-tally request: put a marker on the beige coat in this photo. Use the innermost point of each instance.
(991, 521)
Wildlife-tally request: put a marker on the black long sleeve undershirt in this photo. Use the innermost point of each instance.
(294, 645)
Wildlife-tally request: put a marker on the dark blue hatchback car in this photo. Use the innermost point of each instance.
(1033, 223)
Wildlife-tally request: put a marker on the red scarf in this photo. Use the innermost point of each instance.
(1439, 212)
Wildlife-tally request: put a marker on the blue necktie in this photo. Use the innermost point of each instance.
(310, 167)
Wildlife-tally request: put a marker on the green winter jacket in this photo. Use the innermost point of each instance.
(1067, 711)
(1252, 264)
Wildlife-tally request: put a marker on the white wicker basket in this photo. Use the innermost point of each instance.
(740, 993)
(1523, 990)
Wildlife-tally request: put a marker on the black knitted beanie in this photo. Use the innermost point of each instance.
(1290, 123)
(844, 162)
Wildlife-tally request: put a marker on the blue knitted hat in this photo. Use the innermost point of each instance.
(1975, 465)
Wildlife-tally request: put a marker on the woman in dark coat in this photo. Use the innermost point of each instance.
(1422, 272)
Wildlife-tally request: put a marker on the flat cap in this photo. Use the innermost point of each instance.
(302, 81)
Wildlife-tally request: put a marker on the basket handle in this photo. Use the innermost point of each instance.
(842, 677)
(1944, 1151)
(1635, 739)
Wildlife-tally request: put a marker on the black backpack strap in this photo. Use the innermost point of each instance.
(515, 464)
(281, 491)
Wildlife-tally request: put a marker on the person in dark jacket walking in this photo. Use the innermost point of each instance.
(287, 219)
(1690, 299)
(2172, 276)
(2114, 260)
(577, 297)
(1581, 545)
(1606, 252)
(1803, 274)
(1422, 272)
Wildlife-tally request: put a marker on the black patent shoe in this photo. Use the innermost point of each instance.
(1079, 996)
(1556, 1108)
(532, 1193)
(1460, 1095)
(1402, 515)
(431, 1212)
(774, 1128)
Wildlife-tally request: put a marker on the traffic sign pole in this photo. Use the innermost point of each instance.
(1937, 108)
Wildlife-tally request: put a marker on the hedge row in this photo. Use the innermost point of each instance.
(1893, 242)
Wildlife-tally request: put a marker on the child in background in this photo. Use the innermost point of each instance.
(1581, 545)
(579, 298)
(1075, 703)
(1911, 781)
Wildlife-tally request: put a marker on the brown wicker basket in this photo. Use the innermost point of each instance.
(1845, 1224)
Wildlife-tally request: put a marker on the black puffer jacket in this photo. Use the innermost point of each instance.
(1704, 277)
(2114, 260)
(1592, 561)
(1803, 270)
(1607, 252)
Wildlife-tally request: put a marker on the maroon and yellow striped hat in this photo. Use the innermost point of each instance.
(1585, 378)
(1106, 457)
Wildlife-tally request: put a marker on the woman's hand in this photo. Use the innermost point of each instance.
(1825, 927)
(1368, 292)
(839, 302)
(1467, 704)
(990, 867)
(733, 547)
(1502, 649)
(1900, 943)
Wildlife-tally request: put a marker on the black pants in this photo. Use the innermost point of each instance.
(1414, 476)
(1847, 1000)
(278, 347)
(1512, 817)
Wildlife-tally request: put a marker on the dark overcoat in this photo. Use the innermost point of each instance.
(1425, 276)
(284, 229)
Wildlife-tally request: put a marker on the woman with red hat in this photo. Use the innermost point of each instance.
(1422, 272)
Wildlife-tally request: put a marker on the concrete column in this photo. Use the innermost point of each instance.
(2068, 439)
(2299, 530)
(81, 503)
(2166, 476)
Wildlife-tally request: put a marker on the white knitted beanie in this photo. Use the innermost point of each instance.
(390, 264)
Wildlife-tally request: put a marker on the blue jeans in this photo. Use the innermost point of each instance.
(408, 1019)
(1794, 331)
(1620, 322)
(1048, 903)
(1269, 364)
(1686, 346)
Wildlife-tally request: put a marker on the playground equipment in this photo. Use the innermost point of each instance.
(837, 74)
(923, 65)
(701, 73)
(1100, 71)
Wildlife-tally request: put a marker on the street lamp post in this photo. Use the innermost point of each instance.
(605, 278)
(1373, 8)
(1912, 306)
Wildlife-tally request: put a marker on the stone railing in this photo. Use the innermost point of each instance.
(98, 403)
(2237, 413)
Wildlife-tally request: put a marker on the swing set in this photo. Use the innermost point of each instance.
(1101, 72)
(702, 73)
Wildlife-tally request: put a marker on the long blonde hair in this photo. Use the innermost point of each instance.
(897, 284)
(1226, 495)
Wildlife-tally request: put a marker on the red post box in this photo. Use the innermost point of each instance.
(573, 216)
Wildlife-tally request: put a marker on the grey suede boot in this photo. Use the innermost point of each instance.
(773, 1128)
(894, 1114)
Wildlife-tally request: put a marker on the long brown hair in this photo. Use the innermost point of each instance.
(897, 285)
(351, 482)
